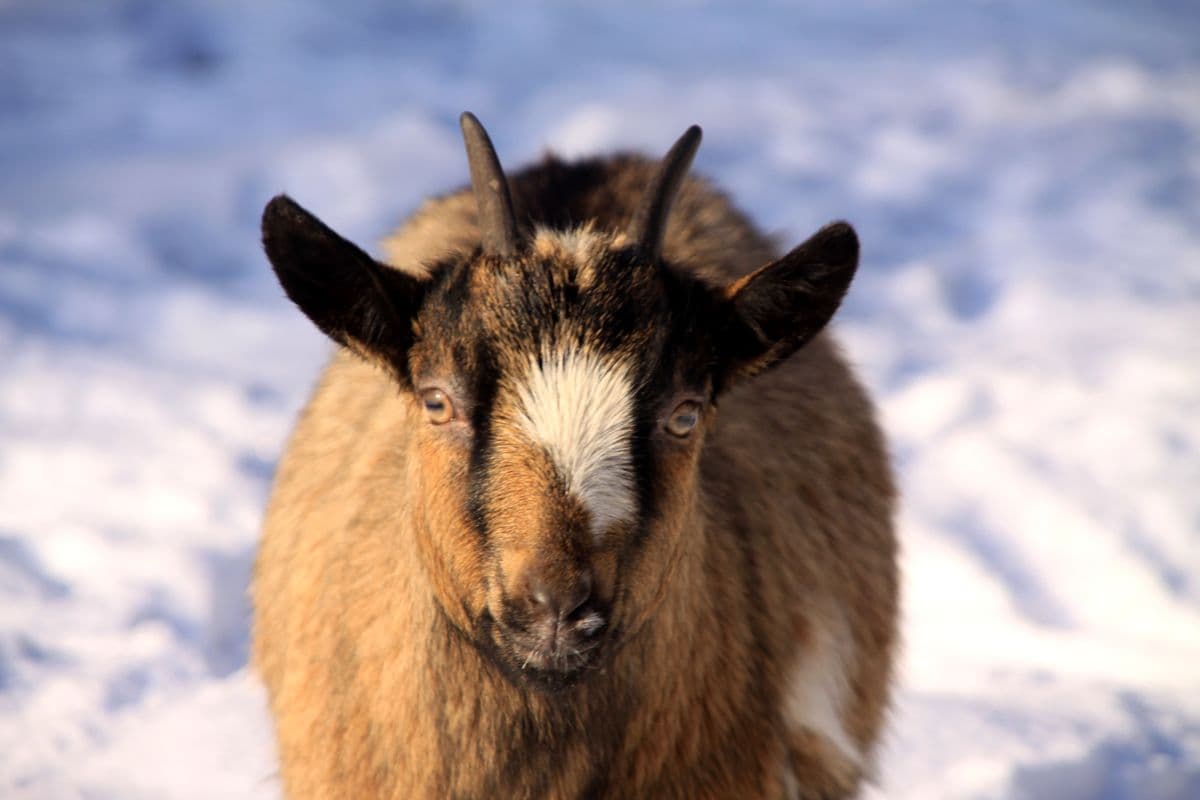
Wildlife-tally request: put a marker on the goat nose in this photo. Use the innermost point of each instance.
(558, 599)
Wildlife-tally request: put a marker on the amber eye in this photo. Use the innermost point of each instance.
(683, 418)
(438, 408)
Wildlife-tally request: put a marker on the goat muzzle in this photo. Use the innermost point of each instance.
(553, 621)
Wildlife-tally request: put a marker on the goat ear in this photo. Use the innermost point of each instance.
(356, 301)
(777, 309)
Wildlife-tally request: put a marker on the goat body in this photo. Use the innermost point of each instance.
(565, 517)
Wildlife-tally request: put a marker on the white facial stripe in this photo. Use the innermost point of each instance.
(818, 688)
(580, 409)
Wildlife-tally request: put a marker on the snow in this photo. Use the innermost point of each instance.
(1025, 178)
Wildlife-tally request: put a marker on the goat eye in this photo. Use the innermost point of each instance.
(683, 418)
(438, 408)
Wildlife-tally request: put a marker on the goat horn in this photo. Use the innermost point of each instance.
(650, 220)
(497, 226)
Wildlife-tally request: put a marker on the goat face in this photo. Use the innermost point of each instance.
(565, 394)
(558, 390)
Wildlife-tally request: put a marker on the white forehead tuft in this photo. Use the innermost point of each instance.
(582, 245)
(579, 243)
(580, 408)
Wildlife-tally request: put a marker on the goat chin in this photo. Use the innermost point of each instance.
(586, 502)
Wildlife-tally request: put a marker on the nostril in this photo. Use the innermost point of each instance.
(540, 597)
(582, 593)
(560, 600)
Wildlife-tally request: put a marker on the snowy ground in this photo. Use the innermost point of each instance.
(1025, 177)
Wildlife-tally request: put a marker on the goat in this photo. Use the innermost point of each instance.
(544, 530)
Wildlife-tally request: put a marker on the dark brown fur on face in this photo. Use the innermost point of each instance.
(730, 633)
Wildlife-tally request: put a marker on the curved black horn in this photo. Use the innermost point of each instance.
(651, 218)
(497, 226)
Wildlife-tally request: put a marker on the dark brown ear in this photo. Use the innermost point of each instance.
(353, 299)
(776, 310)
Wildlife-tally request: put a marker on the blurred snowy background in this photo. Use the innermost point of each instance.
(1025, 177)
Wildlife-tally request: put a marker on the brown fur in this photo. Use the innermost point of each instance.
(779, 548)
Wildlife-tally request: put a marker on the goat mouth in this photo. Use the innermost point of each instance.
(552, 653)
